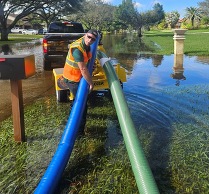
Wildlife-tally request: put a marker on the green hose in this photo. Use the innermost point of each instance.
(142, 172)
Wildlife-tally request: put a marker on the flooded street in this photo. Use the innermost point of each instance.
(145, 73)
(148, 77)
(39, 85)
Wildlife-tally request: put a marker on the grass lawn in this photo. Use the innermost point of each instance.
(17, 38)
(162, 42)
(93, 169)
(90, 170)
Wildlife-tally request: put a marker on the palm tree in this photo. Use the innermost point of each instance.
(193, 13)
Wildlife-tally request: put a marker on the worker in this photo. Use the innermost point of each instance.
(76, 67)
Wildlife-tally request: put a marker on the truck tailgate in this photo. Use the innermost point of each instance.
(59, 42)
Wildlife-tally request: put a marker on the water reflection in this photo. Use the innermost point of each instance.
(152, 80)
(178, 70)
(156, 59)
(203, 59)
(32, 47)
(6, 50)
(165, 114)
(41, 84)
(122, 44)
(133, 53)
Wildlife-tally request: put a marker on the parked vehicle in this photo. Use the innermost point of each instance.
(55, 43)
(17, 30)
(42, 31)
(30, 31)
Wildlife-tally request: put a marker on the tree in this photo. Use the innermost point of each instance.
(204, 7)
(124, 13)
(172, 18)
(128, 16)
(153, 17)
(96, 14)
(24, 8)
(193, 13)
(58, 9)
(158, 13)
(8, 7)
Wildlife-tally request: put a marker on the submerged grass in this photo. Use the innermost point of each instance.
(22, 164)
(189, 159)
(94, 168)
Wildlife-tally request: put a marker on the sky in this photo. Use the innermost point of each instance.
(168, 5)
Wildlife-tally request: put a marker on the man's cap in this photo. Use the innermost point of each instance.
(94, 32)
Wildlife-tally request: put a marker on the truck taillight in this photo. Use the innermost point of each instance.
(44, 45)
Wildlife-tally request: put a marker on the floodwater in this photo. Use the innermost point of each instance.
(160, 90)
(153, 83)
(41, 84)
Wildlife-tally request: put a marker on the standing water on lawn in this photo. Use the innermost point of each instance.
(170, 111)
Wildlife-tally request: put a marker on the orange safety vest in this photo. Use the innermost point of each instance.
(71, 70)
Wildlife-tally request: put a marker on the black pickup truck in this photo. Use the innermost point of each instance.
(55, 43)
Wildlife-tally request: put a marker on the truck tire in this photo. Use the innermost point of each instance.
(108, 95)
(62, 95)
(47, 65)
(121, 84)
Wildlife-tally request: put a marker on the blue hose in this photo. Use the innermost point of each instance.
(59, 161)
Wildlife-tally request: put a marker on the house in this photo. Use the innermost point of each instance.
(180, 21)
(23, 23)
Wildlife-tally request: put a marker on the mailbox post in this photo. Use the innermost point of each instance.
(15, 68)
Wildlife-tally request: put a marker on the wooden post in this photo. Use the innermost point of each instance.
(17, 110)
(15, 68)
